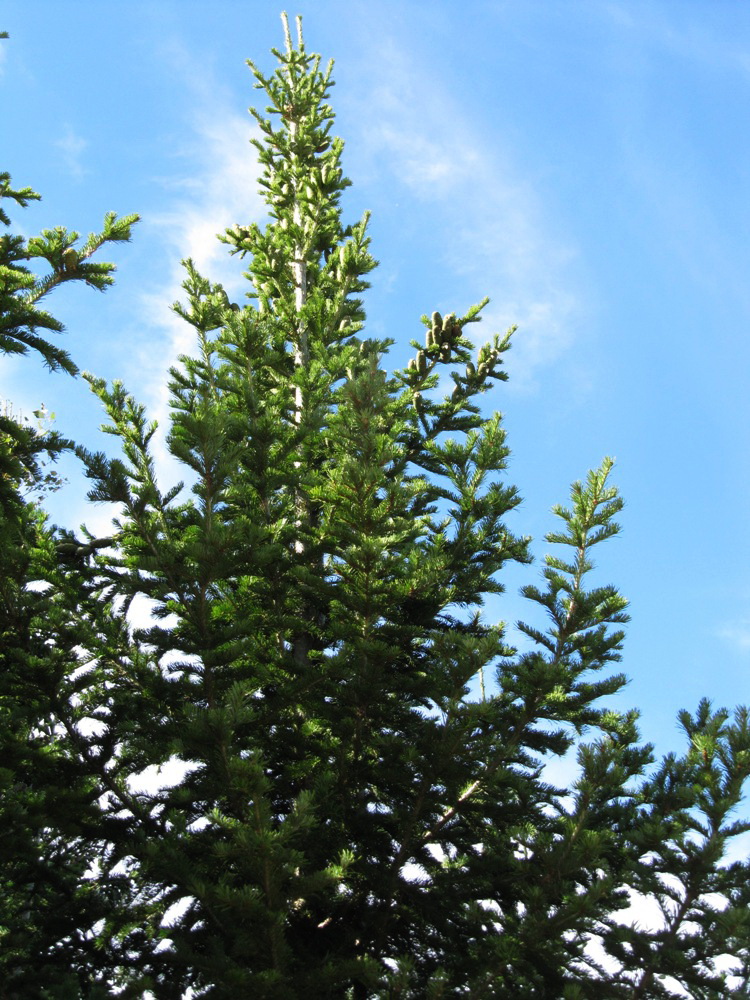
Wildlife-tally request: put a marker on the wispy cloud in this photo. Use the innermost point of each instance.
(495, 236)
(214, 187)
(707, 41)
(417, 140)
(219, 190)
(72, 148)
(737, 634)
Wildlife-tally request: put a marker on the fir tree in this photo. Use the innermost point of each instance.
(47, 815)
(361, 808)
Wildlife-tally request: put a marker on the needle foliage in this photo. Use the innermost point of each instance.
(264, 741)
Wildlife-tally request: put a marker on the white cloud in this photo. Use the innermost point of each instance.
(545, 331)
(159, 776)
(215, 187)
(221, 191)
(494, 233)
(419, 140)
(72, 148)
(699, 38)
(737, 634)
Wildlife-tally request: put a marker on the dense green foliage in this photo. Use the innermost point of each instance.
(346, 792)
(47, 809)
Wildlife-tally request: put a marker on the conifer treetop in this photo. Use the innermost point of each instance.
(360, 814)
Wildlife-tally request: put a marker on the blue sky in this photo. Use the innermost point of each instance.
(586, 164)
